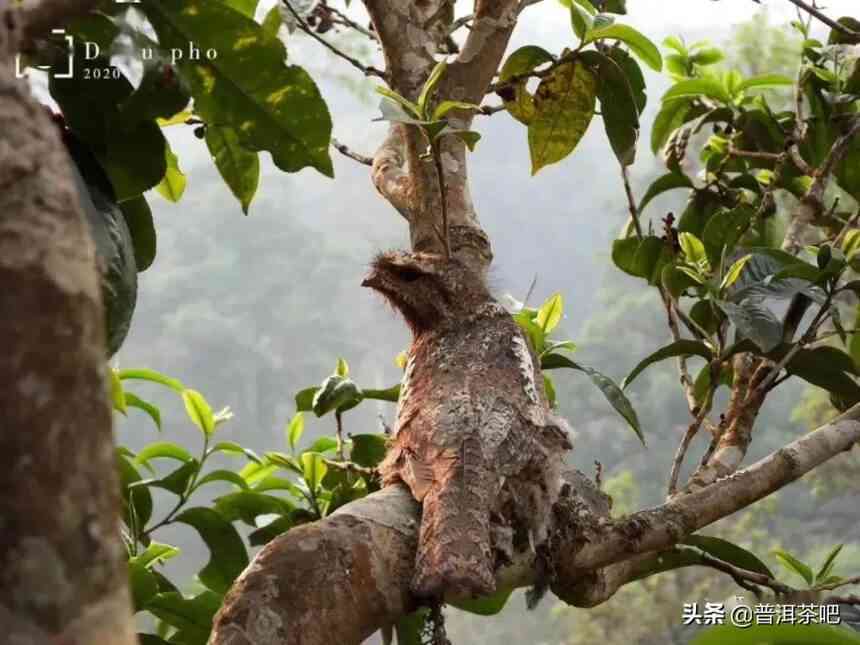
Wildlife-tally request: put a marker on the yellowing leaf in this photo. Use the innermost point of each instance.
(173, 183)
(199, 411)
(564, 106)
(550, 312)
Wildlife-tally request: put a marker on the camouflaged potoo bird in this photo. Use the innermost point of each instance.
(474, 439)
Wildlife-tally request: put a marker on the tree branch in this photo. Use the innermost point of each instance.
(389, 174)
(823, 18)
(367, 70)
(347, 152)
(360, 582)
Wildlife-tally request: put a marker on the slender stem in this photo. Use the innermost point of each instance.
(365, 69)
(437, 160)
(692, 429)
(823, 18)
(347, 152)
(338, 416)
(342, 19)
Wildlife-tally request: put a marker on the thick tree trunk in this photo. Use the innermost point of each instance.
(63, 576)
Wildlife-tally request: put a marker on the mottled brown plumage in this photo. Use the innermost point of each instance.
(474, 439)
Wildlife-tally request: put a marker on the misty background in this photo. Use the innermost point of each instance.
(250, 310)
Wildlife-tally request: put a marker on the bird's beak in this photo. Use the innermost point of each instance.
(370, 281)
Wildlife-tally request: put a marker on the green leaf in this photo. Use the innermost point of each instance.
(550, 313)
(445, 107)
(295, 429)
(694, 249)
(549, 388)
(246, 86)
(678, 348)
(412, 110)
(430, 87)
(723, 231)
(617, 106)
(409, 628)
(707, 56)
(305, 399)
(765, 80)
(192, 617)
(586, 4)
(485, 605)
(734, 272)
(178, 481)
(273, 21)
(130, 147)
(143, 585)
(754, 321)
(564, 105)
(579, 21)
(138, 216)
(116, 392)
(228, 556)
(247, 505)
(136, 500)
(238, 166)
(469, 137)
(854, 344)
(233, 448)
(669, 181)
(826, 367)
(671, 116)
(368, 449)
(221, 475)
(673, 42)
(323, 444)
(777, 635)
(638, 43)
(518, 101)
(173, 184)
(793, 564)
(827, 566)
(729, 552)
(335, 393)
(156, 553)
(314, 469)
(607, 387)
(695, 87)
(143, 374)
(162, 450)
(342, 368)
(199, 411)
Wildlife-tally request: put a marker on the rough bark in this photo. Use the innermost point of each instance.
(62, 567)
(361, 581)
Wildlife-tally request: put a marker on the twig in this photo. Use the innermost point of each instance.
(339, 434)
(367, 70)
(740, 574)
(835, 585)
(346, 21)
(462, 21)
(849, 224)
(437, 160)
(753, 154)
(350, 467)
(490, 110)
(823, 18)
(692, 429)
(344, 150)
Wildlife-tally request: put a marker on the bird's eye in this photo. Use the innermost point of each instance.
(408, 275)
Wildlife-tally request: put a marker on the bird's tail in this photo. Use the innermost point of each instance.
(454, 549)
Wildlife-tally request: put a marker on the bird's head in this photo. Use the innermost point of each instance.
(426, 288)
